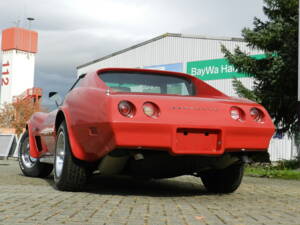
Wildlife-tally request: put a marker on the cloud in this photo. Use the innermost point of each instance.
(73, 32)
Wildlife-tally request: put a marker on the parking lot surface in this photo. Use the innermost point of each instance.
(125, 201)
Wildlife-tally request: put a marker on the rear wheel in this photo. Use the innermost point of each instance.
(30, 166)
(224, 181)
(69, 175)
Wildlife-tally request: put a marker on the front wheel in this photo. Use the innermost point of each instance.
(69, 175)
(31, 167)
(224, 181)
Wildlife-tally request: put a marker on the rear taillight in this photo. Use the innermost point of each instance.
(257, 115)
(237, 113)
(150, 109)
(126, 108)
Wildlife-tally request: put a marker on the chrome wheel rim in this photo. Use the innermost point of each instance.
(27, 160)
(60, 154)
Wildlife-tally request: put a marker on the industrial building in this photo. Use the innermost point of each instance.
(199, 56)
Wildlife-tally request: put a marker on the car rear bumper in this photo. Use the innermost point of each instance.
(191, 139)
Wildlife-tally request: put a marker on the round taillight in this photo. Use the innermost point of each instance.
(256, 114)
(150, 109)
(236, 113)
(126, 108)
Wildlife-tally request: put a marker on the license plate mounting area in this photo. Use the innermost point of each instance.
(197, 141)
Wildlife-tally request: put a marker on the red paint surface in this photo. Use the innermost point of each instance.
(19, 39)
(199, 124)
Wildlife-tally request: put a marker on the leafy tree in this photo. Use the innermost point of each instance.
(7, 116)
(275, 84)
(244, 92)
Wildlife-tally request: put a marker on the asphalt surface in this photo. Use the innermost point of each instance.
(125, 201)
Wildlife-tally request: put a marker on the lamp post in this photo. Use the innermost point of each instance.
(30, 19)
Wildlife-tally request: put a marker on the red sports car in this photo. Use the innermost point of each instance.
(148, 124)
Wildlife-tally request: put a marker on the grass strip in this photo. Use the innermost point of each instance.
(272, 173)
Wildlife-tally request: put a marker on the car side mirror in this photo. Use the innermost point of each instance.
(54, 96)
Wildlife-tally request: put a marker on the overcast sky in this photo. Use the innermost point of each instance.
(73, 32)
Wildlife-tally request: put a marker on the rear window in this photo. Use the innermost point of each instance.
(148, 83)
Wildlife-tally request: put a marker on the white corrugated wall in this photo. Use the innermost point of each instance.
(226, 87)
(169, 50)
(174, 49)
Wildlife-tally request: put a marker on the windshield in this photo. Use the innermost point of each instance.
(138, 82)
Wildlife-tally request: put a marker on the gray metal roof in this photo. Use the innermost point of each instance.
(158, 38)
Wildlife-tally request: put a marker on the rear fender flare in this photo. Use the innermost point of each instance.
(33, 148)
(76, 149)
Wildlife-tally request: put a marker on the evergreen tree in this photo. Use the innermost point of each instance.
(275, 85)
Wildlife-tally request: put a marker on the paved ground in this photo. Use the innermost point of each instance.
(125, 201)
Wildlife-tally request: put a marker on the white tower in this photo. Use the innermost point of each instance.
(19, 47)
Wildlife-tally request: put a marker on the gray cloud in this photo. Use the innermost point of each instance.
(74, 32)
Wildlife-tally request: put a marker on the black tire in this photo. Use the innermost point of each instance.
(31, 167)
(69, 175)
(224, 181)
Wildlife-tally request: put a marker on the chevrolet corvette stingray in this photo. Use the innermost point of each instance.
(146, 124)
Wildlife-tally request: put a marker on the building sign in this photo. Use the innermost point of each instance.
(215, 69)
(176, 67)
(5, 74)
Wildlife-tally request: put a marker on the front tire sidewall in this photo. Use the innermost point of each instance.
(32, 167)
